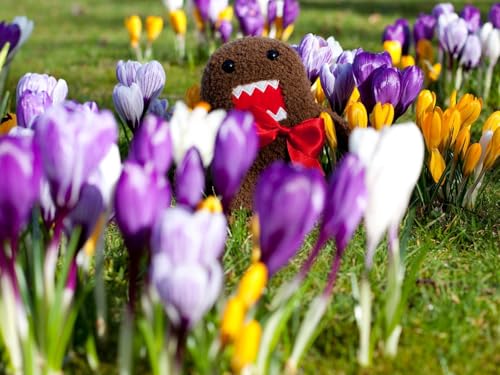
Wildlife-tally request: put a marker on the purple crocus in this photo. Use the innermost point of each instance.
(190, 179)
(129, 104)
(453, 37)
(152, 144)
(229, 166)
(400, 32)
(126, 71)
(249, 17)
(338, 84)
(291, 9)
(9, 33)
(315, 52)
(472, 16)
(288, 201)
(442, 8)
(151, 80)
(73, 140)
(30, 105)
(21, 183)
(424, 27)
(185, 269)
(203, 8)
(225, 29)
(386, 86)
(494, 15)
(471, 54)
(412, 80)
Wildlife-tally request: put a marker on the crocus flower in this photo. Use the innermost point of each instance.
(190, 179)
(454, 36)
(225, 29)
(133, 25)
(395, 151)
(386, 85)
(151, 80)
(73, 140)
(129, 104)
(288, 201)
(356, 115)
(412, 80)
(338, 84)
(424, 28)
(315, 51)
(442, 8)
(126, 71)
(141, 195)
(399, 31)
(154, 26)
(490, 46)
(249, 16)
(237, 132)
(9, 33)
(30, 105)
(494, 15)
(152, 144)
(246, 346)
(472, 16)
(16, 33)
(159, 108)
(194, 128)
(291, 9)
(185, 269)
(21, 183)
(471, 54)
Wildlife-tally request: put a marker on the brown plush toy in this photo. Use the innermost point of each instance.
(267, 77)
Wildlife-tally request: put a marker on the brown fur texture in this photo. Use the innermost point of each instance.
(251, 65)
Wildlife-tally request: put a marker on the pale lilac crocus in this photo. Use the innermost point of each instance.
(229, 166)
(471, 54)
(338, 84)
(126, 71)
(129, 104)
(288, 201)
(472, 16)
(190, 179)
(454, 36)
(151, 79)
(442, 8)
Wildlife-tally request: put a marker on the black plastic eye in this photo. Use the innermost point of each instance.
(228, 66)
(272, 54)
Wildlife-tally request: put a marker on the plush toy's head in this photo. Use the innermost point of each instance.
(261, 72)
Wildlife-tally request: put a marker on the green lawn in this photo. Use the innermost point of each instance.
(451, 325)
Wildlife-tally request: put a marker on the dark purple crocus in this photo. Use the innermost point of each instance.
(229, 166)
(72, 141)
(442, 8)
(400, 32)
(291, 10)
(412, 80)
(249, 17)
(338, 84)
(152, 144)
(494, 15)
(21, 172)
(454, 36)
(386, 86)
(472, 16)
(314, 51)
(471, 54)
(424, 27)
(272, 11)
(203, 7)
(190, 179)
(9, 33)
(288, 201)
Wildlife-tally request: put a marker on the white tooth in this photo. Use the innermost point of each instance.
(237, 91)
(249, 88)
(262, 85)
(274, 83)
(279, 116)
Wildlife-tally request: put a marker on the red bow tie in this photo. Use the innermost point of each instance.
(304, 141)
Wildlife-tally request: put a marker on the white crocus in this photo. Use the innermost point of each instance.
(173, 4)
(196, 128)
(490, 47)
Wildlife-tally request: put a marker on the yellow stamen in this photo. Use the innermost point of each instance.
(211, 204)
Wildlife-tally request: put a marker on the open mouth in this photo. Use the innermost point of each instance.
(262, 95)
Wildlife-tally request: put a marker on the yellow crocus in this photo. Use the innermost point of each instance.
(492, 122)
(492, 150)
(431, 128)
(8, 122)
(192, 96)
(354, 96)
(426, 101)
(462, 143)
(425, 51)
(252, 283)
(382, 115)
(246, 346)
(437, 165)
(90, 245)
(356, 115)
(178, 21)
(453, 99)
(154, 26)
(232, 319)
(331, 136)
(470, 108)
(394, 48)
(471, 159)
(211, 204)
(452, 119)
(287, 32)
(434, 72)
(134, 27)
(318, 92)
(407, 60)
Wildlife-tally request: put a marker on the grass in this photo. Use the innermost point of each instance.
(451, 324)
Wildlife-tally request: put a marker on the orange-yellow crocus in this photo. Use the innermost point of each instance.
(211, 204)
(252, 283)
(431, 129)
(232, 319)
(434, 72)
(394, 48)
(318, 92)
(354, 96)
(492, 122)
(452, 119)
(178, 21)
(246, 346)
(407, 60)
(472, 157)
(134, 27)
(437, 165)
(356, 115)
(470, 108)
(425, 51)
(492, 150)
(453, 99)
(7, 123)
(192, 96)
(382, 115)
(426, 101)
(462, 143)
(154, 26)
(331, 135)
